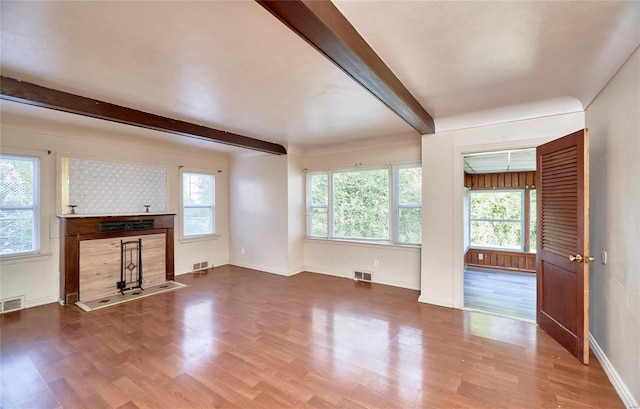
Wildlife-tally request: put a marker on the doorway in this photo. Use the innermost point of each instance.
(500, 233)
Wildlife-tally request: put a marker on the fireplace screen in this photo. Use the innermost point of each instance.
(130, 265)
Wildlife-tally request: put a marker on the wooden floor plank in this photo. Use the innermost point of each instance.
(241, 338)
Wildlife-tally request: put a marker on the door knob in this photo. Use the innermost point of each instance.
(580, 259)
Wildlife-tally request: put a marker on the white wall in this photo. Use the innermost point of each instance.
(442, 194)
(613, 120)
(259, 212)
(296, 219)
(37, 278)
(398, 265)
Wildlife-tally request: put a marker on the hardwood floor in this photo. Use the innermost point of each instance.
(507, 293)
(238, 338)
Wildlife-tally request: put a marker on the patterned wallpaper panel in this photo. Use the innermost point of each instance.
(114, 188)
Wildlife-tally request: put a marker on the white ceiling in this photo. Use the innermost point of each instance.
(233, 66)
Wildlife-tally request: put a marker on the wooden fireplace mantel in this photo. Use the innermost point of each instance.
(76, 228)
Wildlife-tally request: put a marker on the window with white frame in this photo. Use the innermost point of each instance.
(361, 204)
(19, 205)
(409, 204)
(318, 204)
(198, 204)
(377, 204)
(533, 221)
(497, 219)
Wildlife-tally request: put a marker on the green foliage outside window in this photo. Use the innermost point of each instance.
(496, 219)
(356, 204)
(361, 204)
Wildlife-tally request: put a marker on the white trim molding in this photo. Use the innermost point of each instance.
(617, 382)
(262, 269)
(440, 302)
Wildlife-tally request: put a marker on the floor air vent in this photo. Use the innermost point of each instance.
(12, 304)
(362, 276)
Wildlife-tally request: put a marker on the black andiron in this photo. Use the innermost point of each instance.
(130, 265)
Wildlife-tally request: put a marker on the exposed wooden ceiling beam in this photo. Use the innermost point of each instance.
(36, 95)
(322, 25)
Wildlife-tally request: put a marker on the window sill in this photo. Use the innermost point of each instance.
(196, 239)
(364, 243)
(27, 258)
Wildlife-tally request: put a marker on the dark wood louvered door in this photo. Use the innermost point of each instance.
(563, 241)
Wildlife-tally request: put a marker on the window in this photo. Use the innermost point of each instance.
(19, 201)
(498, 219)
(409, 204)
(318, 204)
(361, 204)
(378, 204)
(198, 204)
(533, 221)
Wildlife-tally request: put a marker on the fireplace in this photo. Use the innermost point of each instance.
(91, 252)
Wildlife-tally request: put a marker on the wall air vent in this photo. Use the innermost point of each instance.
(200, 266)
(362, 276)
(12, 304)
(109, 227)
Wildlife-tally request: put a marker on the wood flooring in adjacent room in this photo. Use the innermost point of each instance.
(507, 293)
(239, 338)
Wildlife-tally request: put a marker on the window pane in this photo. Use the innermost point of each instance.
(198, 198)
(318, 223)
(319, 189)
(410, 180)
(496, 205)
(410, 226)
(361, 204)
(496, 234)
(198, 221)
(197, 189)
(16, 231)
(533, 221)
(17, 186)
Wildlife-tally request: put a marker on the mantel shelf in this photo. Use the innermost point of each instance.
(86, 216)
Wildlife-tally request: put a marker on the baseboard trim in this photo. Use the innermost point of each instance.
(261, 268)
(433, 301)
(617, 382)
(294, 272)
(349, 275)
(326, 272)
(41, 301)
